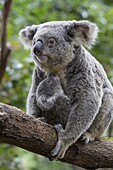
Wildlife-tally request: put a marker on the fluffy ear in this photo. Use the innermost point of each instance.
(26, 35)
(83, 32)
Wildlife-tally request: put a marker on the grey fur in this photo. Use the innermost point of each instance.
(53, 103)
(48, 91)
(82, 77)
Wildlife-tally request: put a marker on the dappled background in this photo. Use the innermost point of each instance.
(17, 72)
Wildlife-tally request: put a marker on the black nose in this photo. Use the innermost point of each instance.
(38, 48)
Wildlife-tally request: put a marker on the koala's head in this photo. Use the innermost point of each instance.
(47, 92)
(52, 43)
(50, 86)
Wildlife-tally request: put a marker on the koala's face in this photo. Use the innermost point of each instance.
(50, 87)
(52, 43)
(50, 46)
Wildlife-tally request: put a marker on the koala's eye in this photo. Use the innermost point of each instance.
(49, 82)
(51, 42)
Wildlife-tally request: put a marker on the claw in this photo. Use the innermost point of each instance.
(63, 154)
(62, 145)
(59, 151)
(87, 137)
(42, 119)
(55, 151)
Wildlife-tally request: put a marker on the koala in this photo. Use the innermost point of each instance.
(54, 104)
(48, 91)
(59, 47)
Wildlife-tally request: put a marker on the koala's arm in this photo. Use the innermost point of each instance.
(84, 109)
(32, 108)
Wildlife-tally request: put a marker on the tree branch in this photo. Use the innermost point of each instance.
(5, 48)
(19, 129)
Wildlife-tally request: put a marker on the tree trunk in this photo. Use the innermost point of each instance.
(26, 132)
(5, 47)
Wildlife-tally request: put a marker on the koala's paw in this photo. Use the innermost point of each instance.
(59, 129)
(87, 137)
(45, 103)
(59, 151)
(42, 119)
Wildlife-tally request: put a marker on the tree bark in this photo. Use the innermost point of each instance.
(26, 132)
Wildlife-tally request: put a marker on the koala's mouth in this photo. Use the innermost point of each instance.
(38, 51)
(41, 58)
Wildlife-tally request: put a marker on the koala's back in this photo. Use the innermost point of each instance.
(88, 71)
(99, 72)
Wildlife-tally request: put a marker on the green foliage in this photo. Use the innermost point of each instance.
(9, 158)
(14, 158)
(108, 138)
(39, 162)
(17, 79)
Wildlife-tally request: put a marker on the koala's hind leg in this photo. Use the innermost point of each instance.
(102, 120)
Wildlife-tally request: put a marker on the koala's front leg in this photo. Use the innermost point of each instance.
(32, 108)
(80, 118)
(61, 146)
